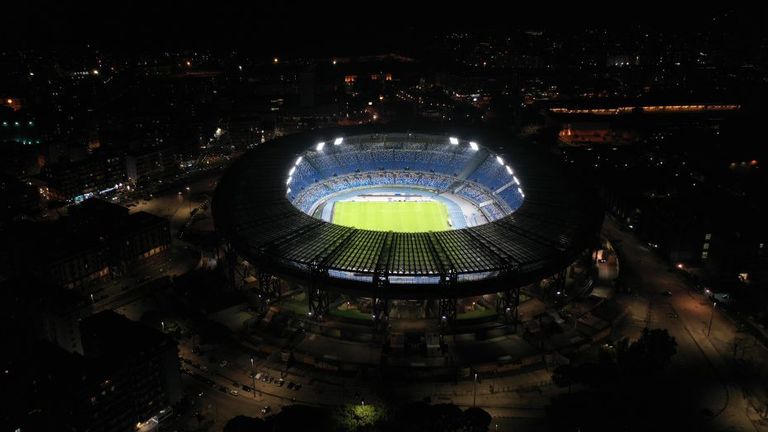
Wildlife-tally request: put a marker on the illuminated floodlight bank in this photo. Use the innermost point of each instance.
(499, 160)
(473, 145)
(338, 141)
(293, 170)
(509, 170)
(298, 161)
(454, 140)
(289, 180)
(320, 146)
(516, 180)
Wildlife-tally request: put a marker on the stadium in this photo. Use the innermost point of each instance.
(411, 220)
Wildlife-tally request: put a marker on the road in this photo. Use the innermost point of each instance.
(177, 204)
(701, 371)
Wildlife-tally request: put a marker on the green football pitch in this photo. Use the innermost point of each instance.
(408, 216)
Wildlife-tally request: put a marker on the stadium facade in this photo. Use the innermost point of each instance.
(534, 219)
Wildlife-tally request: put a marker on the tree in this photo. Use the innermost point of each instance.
(243, 423)
(359, 416)
(302, 418)
(650, 353)
(476, 420)
(564, 376)
(445, 417)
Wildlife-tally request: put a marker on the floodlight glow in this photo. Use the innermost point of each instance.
(298, 161)
(520, 191)
(509, 170)
(473, 145)
(499, 160)
(289, 180)
(293, 170)
(320, 146)
(516, 180)
(338, 141)
(289, 191)
(454, 140)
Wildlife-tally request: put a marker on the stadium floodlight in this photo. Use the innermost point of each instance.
(338, 141)
(293, 170)
(320, 146)
(516, 180)
(521, 192)
(509, 170)
(289, 180)
(473, 145)
(289, 191)
(298, 161)
(454, 140)
(499, 160)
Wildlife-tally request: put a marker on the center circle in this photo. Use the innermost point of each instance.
(403, 183)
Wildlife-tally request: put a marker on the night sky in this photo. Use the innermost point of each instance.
(322, 27)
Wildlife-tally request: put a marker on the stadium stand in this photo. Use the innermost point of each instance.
(436, 166)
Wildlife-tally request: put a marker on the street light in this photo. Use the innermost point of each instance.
(253, 377)
(162, 324)
(711, 316)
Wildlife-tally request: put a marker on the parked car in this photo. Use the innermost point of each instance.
(722, 298)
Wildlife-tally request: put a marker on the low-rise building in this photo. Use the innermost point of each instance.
(95, 240)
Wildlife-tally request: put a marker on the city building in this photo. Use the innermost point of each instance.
(78, 180)
(141, 359)
(17, 199)
(146, 166)
(128, 375)
(95, 240)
